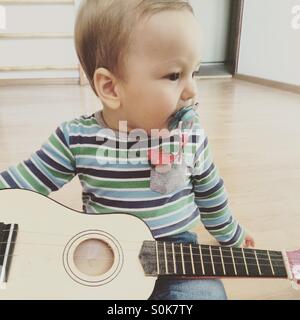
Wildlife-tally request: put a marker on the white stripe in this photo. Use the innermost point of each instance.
(115, 169)
(110, 160)
(114, 179)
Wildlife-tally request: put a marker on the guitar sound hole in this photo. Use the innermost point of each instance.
(93, 257)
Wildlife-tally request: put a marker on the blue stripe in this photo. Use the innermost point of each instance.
(233, 239)
(35, 171)
(61, 136)
(137, 204)
(210, 190)
(220, 226)
(163, 220)
(214, 209)
(52, 163)
(169, 229)
(114, 174)
(6, 176)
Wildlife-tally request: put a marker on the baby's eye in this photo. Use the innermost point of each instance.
(174, 76)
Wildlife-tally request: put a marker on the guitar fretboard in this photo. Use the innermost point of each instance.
(181, 259)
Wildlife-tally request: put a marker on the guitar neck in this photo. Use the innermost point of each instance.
(189, 260)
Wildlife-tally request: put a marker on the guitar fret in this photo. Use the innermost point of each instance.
(183, 267)
(157, 260)
(201, 260)
(174, 261)
(270, 262)
(207, 260)
(193, 266)
(233, 261)
(222, 260)
(166, 260)
(257, 262)
(212, 261)
(245, 262)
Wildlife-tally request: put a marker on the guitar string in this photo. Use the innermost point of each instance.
(273, 255)
(280, 259)
(213, 247)
(185, 246)
(171, 261)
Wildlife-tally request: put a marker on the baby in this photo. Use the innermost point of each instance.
(140, 57)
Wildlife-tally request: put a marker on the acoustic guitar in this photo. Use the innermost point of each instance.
(48, 251)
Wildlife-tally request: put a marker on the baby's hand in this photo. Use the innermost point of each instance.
(248, 241)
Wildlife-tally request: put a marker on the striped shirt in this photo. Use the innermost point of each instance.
(113, 181)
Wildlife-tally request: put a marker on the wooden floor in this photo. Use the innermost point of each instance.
(254, 134)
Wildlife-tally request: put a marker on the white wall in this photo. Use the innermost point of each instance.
(270, 46)
(214, 19)
(38, 18)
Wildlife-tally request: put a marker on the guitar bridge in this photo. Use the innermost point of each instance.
(8, 234)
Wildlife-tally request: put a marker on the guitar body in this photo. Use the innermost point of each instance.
(51, 237)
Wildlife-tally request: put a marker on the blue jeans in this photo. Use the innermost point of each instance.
(187, 289)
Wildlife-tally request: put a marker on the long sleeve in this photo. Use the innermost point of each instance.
(210, 194)
(212, 200)
(46, 170)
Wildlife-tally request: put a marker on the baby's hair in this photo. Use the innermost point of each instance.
(103, 31)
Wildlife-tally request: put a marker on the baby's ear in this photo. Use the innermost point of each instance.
(105, 86)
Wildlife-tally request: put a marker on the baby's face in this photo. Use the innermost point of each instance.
(161, 67)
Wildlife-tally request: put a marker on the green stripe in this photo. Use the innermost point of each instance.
(240, 241)
(31, 180)
(211, 216)
(207, 201)
(188, 227)
(207, 179)
(59, 146)
(215, 194)
(103, 151)
(116, 184)
(225, 231)
(2, 185)
(60, 175)
(101, 209)
(180, 204)
(88, 122)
